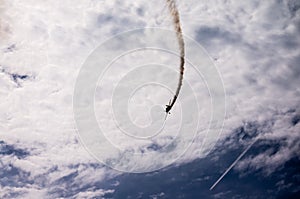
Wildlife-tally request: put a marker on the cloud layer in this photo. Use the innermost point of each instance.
(254, 45)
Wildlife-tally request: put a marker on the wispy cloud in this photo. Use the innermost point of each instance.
(253, 43)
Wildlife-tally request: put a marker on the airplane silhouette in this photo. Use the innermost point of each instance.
(169, 106)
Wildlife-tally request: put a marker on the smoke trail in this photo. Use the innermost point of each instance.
(176, 20)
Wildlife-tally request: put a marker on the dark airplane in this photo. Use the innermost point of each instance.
(169, 106)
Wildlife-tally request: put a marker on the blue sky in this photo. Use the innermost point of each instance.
(254, 46)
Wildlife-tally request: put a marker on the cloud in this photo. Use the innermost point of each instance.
(254, 45)
(6, 149)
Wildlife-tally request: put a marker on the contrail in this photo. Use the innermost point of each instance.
(232, 165)
(176, 21)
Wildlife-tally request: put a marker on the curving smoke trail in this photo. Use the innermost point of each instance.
(176, 20)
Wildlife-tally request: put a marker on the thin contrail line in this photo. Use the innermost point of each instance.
(232, 165)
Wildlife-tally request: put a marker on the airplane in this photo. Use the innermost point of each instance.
(169, 106)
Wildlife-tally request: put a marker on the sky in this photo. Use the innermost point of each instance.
(240, 88)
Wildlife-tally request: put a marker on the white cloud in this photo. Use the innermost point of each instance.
(254, 44)
(92, 194)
